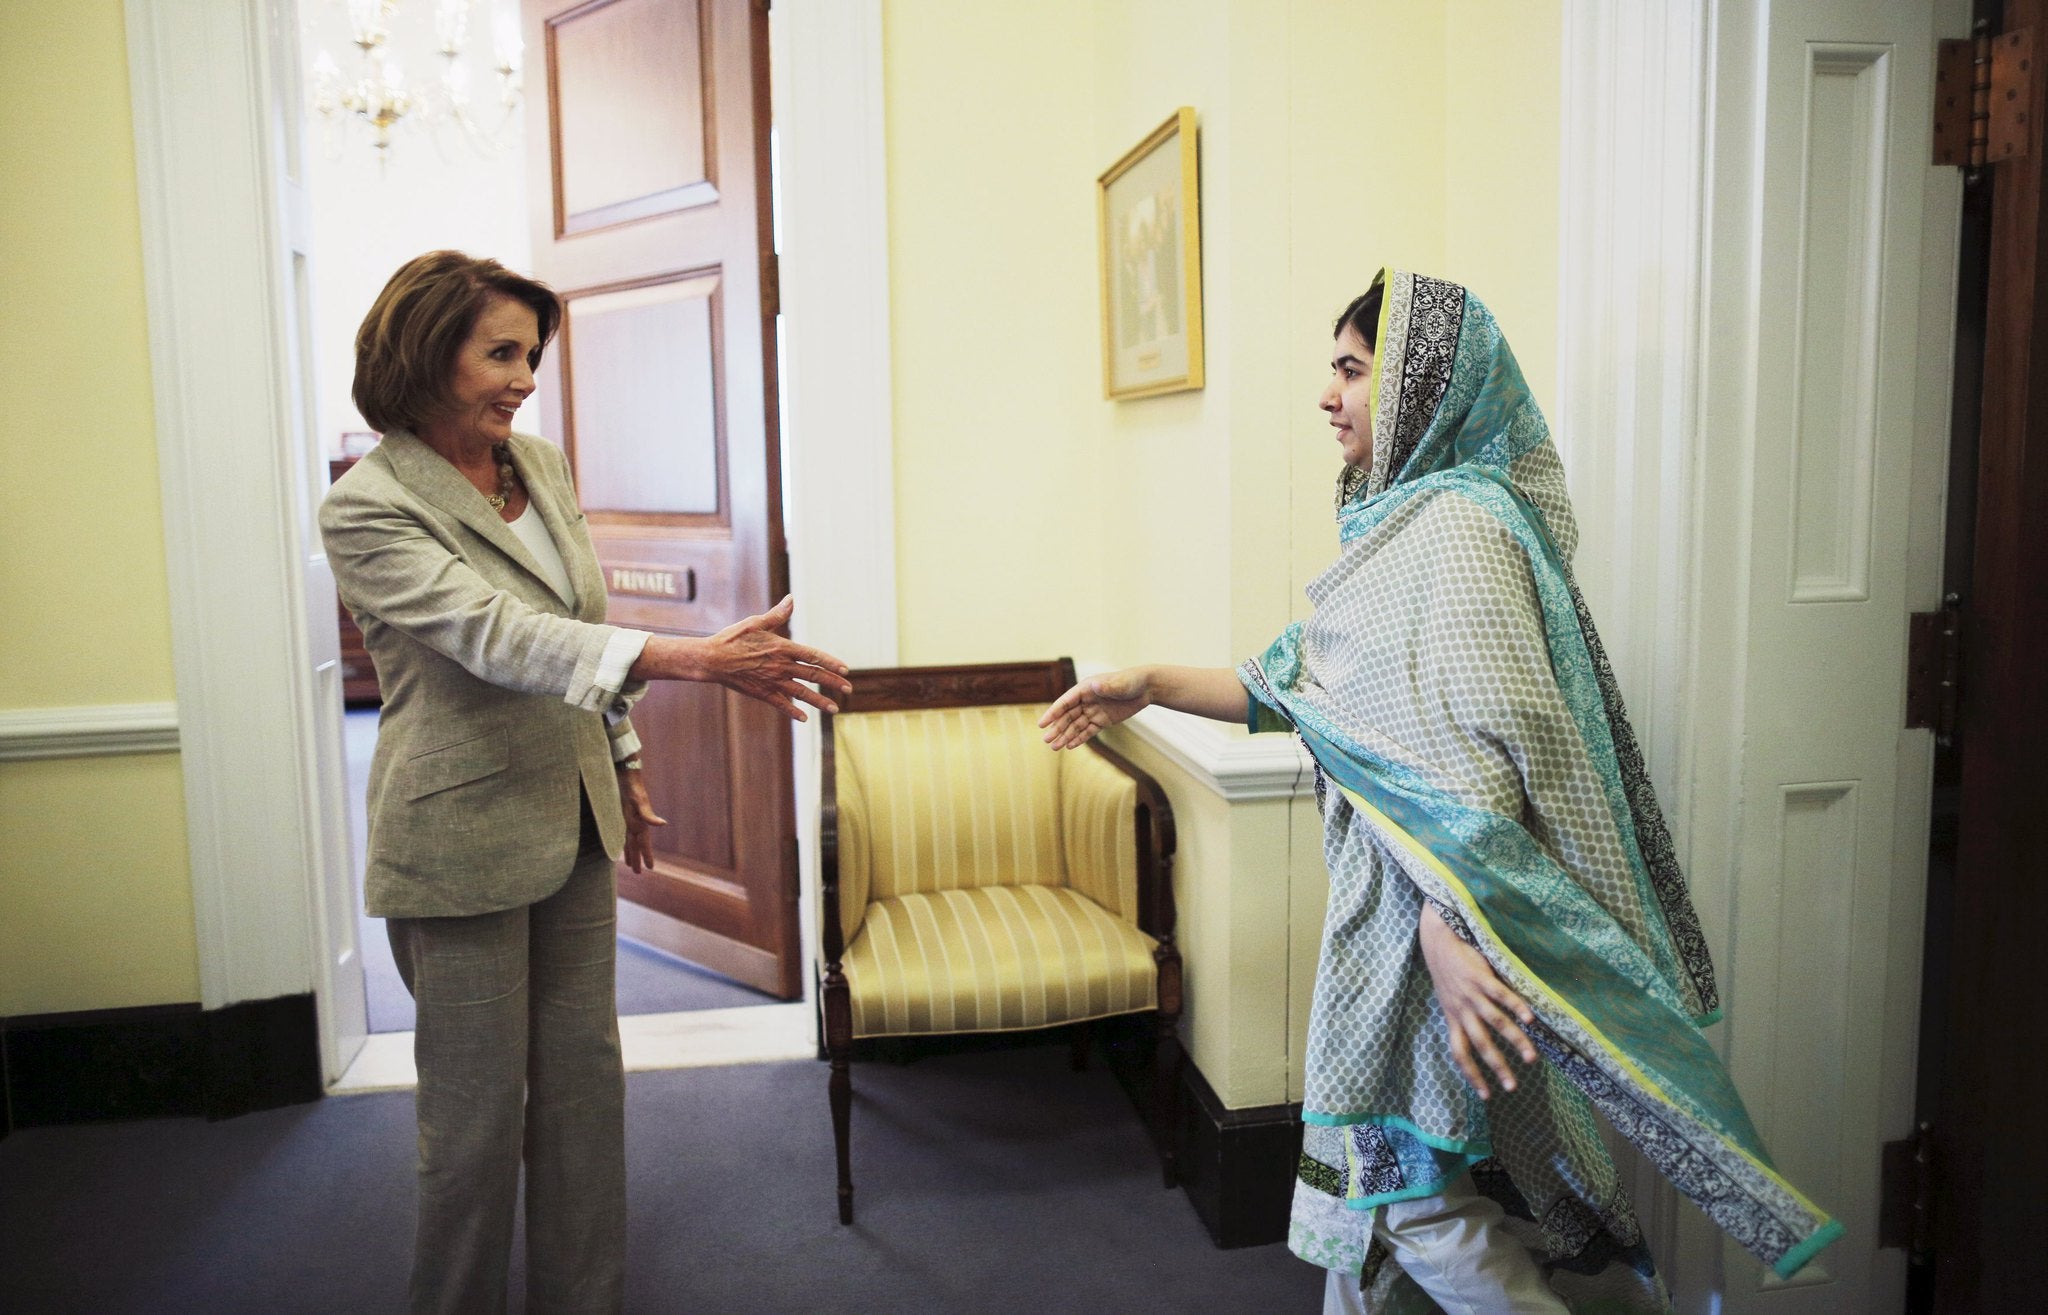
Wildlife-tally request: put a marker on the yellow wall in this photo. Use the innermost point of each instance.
(95, 901)
(78, 509)
(95, 908)
(1162, 462)
(1504, 99)
(1335, 137)
(1033, 517)
(991, 267)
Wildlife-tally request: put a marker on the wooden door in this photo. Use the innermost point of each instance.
(1846, 365)
(648, 165)
(1986, 1051)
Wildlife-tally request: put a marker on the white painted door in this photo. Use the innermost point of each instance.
(1842, 392)
(338, 969)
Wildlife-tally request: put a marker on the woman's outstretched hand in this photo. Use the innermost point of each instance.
(1478, 1006)
(641, 819)
(749, 658)
(1094, 705)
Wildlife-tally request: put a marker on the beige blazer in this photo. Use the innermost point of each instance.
(487, 745)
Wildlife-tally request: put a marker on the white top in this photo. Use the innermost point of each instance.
(619, 655)
(533, 532)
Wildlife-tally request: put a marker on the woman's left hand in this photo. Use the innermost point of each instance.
(641, 820)
(1477, 1004)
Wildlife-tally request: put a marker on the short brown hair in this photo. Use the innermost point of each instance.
(405, 350)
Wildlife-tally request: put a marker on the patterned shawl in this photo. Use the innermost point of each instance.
(1452, 689)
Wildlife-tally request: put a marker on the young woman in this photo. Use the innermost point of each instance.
(1502, 886)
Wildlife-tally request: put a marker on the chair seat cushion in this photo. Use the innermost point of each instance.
(994, 959)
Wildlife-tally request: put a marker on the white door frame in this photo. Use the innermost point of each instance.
(1633, 167)
(211, 234)
(249, 705)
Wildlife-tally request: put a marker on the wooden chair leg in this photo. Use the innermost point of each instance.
(839, 1047)
(1166, 1104)
(842, 1113)
(1081, 1038)
(1166, 1062)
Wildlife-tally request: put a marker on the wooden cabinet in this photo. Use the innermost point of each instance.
(358, 676)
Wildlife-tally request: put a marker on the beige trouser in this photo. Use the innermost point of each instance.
(1456, 1251)
(518, 1049)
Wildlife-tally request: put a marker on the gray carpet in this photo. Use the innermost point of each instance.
(649, 980)
(995, 1181)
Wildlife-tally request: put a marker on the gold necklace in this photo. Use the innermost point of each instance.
(508, 478)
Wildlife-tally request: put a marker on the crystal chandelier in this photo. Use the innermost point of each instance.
(377, 99)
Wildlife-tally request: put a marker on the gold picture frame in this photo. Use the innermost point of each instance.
(1149, 233)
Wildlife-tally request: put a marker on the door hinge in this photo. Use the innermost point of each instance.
(1983, 96)
(792, 867)
(771, 284)
(1934, 665)
(1905, 1207)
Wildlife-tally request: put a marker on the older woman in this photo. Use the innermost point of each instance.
(506, 781)
(1502, 885)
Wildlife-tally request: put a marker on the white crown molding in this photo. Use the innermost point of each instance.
(1237, 766)
(98, 731)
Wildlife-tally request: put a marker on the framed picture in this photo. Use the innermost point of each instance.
(1149, 225)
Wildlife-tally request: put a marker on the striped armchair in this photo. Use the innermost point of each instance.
(976, 881)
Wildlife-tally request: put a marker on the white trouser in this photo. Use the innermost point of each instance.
(1456, 1251)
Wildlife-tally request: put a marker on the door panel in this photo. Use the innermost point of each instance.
(627, 84)
(664, 332)
(651, 219)
(696, 797)
(1830, 866)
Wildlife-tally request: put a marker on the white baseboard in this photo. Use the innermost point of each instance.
(95, 731)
